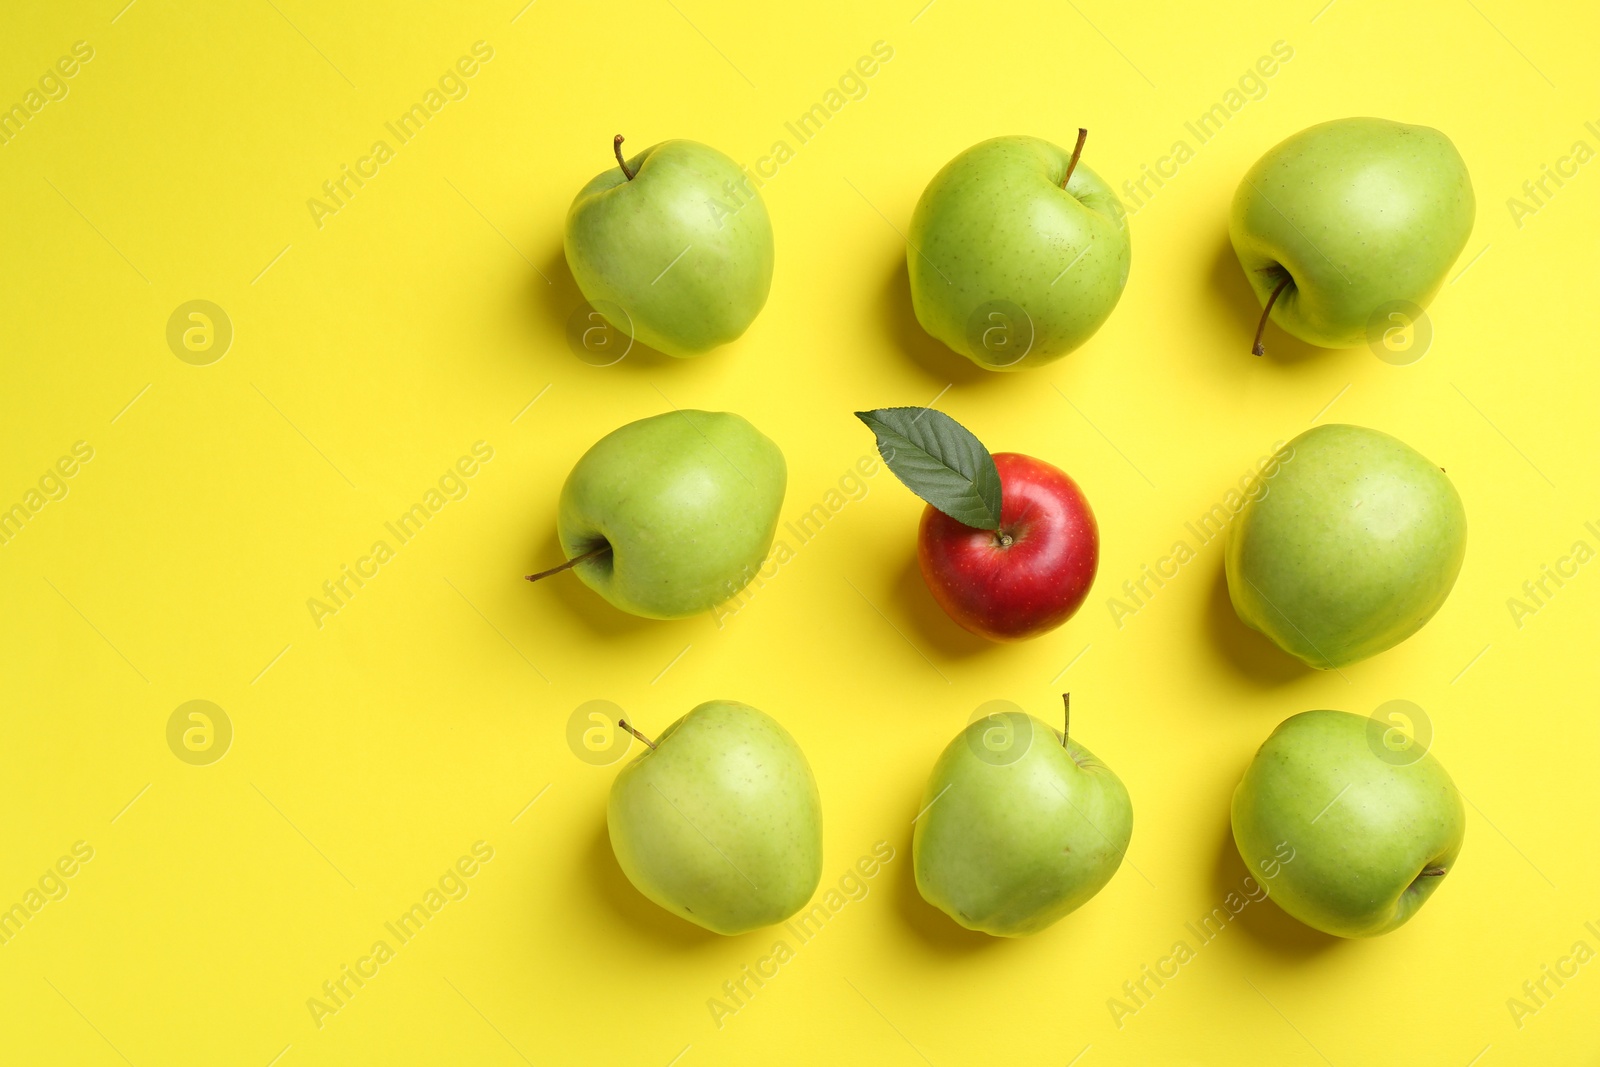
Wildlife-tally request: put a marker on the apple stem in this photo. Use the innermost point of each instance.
(624, 724)
(1431, 872)
(1066, 717)
(1258, 349)
(1077, 150)
(569, 564)
(616, 147)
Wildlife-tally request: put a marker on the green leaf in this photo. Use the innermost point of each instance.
(939, 460)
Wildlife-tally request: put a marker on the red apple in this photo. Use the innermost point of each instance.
(1030, 575)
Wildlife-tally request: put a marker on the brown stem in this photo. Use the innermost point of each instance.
(616, 147)
(1431, 872)
(571, 563)
(1258, 349)
(624, 724)
(1066, 717)
(1083, 135)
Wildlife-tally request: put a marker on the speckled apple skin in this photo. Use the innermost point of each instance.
(1010, 848)
(1347, 833)
(720, 823)
(688, 501)
(685, 247)
(995, 225)
(1360, 212)
(1352, 545)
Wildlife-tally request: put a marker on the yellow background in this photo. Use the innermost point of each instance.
(369, 754)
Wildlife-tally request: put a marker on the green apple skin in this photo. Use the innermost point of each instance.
(995, 225)
(720, 823)
(624, 240)
(688, 501)
(1347, 548)
(1362, 830)
(1360, 212)
(1009, 848)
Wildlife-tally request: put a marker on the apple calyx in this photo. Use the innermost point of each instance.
(1077, 150)
(1258, 349)
(941, 461)
(571, 563)
(616, 148)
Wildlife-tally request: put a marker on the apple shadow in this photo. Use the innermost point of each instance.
(558, 302)
(925, 352)
(1232, 290)
(632, 908)
(931, 925)
(1261, 920)
(588, 607)
(554, 290)
(1249, 652)
(929, 623)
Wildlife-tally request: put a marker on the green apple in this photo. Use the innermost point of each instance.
(1019, 826)
(1359, 840)
(1017, 253)
(1348, 217)
(671, 515)
(1348, 543)
(719, 821)
(675, 242)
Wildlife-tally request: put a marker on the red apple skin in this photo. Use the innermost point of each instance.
(1029, 586)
